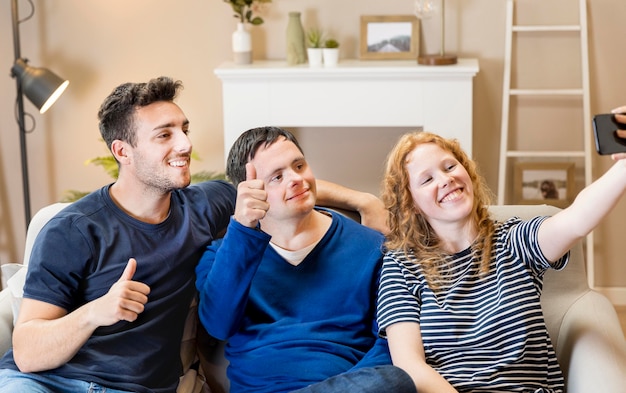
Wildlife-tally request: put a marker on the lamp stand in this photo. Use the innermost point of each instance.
(20, 115)
(441, 58)
(437, 59)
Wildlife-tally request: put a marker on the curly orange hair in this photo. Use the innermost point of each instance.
(409, 229)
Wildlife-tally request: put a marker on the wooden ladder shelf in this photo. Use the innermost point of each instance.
(506, 154)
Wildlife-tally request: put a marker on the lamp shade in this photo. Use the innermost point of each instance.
(41, 86)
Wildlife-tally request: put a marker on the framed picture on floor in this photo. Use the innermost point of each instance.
(551, 183)
(389, 37)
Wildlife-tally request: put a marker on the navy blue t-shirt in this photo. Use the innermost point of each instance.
(84, 249)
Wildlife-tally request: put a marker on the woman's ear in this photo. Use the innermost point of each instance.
(120, 151)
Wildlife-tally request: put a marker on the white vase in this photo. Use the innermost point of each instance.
(242, 45)
(315, 56)
(331, 57)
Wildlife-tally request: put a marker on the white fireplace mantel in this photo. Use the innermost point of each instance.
(394, 93)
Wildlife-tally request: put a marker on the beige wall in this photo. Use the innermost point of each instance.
(101, 43)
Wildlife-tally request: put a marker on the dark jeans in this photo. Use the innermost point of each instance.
(377, 379)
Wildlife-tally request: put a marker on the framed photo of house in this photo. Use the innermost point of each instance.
(389, 37)
(551, 183)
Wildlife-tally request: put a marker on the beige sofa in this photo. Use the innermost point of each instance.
(583, 324)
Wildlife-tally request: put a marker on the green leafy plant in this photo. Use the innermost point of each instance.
(244, 9)
(331, 43)
(314, 37)
(111, 167)
(107, 163)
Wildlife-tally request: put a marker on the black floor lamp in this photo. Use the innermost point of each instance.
(41, 86)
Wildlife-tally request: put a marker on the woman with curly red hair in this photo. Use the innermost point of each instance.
(459, 293)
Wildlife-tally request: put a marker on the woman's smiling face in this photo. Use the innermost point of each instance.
(441, 187)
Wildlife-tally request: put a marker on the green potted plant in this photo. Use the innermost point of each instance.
(246, 12)
(331, 52)
(331, 43)
(244, 9)
(315, 44)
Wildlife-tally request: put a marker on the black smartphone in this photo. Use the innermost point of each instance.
(607, 141)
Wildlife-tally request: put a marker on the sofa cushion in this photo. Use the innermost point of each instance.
(15, 275)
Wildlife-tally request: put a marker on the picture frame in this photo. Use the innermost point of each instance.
(551, 183)
(389, 37)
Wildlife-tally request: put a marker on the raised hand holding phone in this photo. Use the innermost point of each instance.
(620, 117)
(620, 113)
(610, 132)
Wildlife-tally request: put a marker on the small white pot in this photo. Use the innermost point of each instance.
(331, 57)
(315, 56)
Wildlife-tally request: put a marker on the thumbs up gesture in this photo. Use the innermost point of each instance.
(124, 301)
(251, 203)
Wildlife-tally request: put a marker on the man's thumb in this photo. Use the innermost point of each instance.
(250, 171)
(129, 271)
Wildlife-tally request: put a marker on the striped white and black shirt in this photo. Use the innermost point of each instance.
(482, 333)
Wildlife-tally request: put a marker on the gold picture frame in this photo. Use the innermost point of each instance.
(551, 183)
(389, 37)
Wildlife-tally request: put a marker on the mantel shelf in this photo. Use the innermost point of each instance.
(349, 68)
(355, 93)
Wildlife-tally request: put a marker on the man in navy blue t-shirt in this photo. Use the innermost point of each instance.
(111, 277)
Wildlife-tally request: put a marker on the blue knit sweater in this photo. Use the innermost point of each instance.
(290, 326)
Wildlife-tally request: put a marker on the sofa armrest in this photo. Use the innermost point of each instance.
(6, 321)
(591, 347)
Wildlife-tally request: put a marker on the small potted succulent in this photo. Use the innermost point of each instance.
(331, 52)
(315, 45)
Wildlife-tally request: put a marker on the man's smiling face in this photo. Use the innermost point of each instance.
(161, 157)
(289, 181)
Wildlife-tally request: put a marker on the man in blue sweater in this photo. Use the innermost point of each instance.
(291, 287)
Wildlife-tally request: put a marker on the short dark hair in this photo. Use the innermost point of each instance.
(246, 146)
(117, 110)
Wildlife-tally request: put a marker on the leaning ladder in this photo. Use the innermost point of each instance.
(582, 92)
